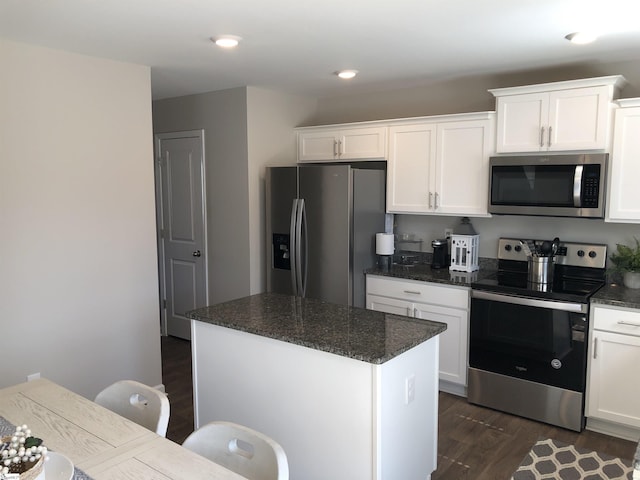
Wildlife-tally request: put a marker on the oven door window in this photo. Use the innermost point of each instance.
(538, 344)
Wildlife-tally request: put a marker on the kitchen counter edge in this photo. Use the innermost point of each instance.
(350, 332)
(424, 273)
(617, 295)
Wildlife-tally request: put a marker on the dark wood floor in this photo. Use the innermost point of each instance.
(473, 442)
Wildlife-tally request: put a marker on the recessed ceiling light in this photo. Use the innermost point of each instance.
(581, 38)
(347, 74)
(226, 41)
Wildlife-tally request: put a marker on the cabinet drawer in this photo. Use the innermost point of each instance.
(416, 291)
(616, 320)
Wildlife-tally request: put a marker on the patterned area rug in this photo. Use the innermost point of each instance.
(553, 460)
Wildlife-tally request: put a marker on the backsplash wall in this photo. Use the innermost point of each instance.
(429, 227)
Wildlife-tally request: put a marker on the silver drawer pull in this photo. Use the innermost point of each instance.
(633, 324)
(412, 292)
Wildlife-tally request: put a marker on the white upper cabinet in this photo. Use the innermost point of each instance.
(411, 167)
(623, 204)
(561, 116)
(440, 165)
(322, 144)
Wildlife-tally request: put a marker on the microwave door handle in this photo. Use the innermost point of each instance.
(577, 186)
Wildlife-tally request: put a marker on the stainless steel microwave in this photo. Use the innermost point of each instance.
(569, 185)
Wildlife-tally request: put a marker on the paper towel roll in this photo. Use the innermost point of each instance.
(384, 244)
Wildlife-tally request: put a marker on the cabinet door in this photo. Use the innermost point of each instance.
(389, 305)
(317, 146)
(624, 196)
(613, 388)
(410, 168)
(362, 143)
(521, 119)
(462, 167)
(579, 119)
(453, 341)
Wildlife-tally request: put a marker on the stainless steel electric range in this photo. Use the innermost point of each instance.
(529, 328)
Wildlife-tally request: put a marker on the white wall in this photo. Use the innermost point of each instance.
(78, 268)
(461, 94)
(271, 141)
(468, 94)
(223, 116)
(245, 129)
(427, 228)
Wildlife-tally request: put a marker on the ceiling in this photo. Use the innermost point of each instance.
(295, 46)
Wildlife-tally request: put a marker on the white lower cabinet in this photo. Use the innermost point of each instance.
(613, 390)
(441, 303)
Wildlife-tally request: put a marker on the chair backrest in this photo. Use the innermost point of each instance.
(139, 403)
(240, 449)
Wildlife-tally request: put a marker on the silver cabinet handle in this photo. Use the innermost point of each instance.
(541, 136)
(430, 200)
(412, 292)
(415, 312)
(335, 148)
(550, 136)
(196, 253)
(436, 204)
(632, 324)
(340, 152)
(595, 348)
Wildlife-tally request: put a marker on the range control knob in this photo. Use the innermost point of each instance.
(592, 254)
(555, 363)
(518, 248)
(581, 253)
(507, 247)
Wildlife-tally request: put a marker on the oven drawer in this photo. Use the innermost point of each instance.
(616, 320)
(417, 291)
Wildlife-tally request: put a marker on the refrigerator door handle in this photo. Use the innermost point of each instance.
(298, 253)
(293, 245)
(303, 252)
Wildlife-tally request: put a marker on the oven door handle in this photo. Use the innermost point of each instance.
(530, 302)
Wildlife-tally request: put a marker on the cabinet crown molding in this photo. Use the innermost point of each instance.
(452, 117)
(628, 102)
(615, 81)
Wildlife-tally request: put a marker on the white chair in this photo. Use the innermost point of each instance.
(139, 403)
(240, 449)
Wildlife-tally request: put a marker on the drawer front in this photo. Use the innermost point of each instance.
(618, 321)
(416, 291)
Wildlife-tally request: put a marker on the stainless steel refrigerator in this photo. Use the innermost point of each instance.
(321, 226)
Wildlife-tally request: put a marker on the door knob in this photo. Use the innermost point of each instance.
(196, 253)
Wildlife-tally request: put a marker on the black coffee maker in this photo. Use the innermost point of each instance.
(440, 258)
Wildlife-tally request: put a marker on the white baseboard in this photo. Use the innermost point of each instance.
(453, 388)
(613, 429)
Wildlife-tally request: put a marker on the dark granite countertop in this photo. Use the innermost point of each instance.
(425, 273)
(617, 295)
(366, 335)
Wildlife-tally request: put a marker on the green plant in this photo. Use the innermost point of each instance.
(625, 258)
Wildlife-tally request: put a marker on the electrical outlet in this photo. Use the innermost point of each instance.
(409, 389)
(448, 232)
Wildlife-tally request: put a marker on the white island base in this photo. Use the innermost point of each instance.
(336, 418)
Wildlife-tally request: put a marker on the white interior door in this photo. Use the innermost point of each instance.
(181, 228)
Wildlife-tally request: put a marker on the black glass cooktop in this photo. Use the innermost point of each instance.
(568, 285)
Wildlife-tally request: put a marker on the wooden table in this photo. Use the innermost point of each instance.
(103, 444)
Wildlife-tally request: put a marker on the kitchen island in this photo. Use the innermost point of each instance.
(349, 393)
